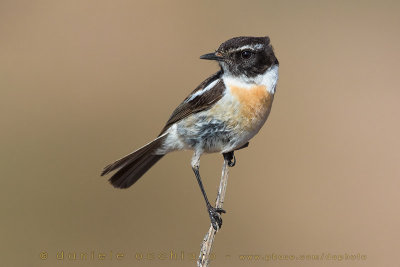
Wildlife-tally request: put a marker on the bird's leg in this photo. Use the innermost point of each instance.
(230, 157)
(214, 213)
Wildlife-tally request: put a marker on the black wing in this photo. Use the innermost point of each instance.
(200, 102)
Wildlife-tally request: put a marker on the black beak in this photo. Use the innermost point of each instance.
(212, 56)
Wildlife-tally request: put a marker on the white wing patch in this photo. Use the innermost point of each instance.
(202, 91)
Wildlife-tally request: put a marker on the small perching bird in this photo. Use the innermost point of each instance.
(221, 115)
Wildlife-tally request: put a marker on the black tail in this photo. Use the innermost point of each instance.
(134, 165)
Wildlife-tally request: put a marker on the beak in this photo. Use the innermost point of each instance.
(212, 56)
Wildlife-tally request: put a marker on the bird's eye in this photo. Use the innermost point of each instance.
(246, 54)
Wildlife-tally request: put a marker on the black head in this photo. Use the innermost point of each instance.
(248, 56)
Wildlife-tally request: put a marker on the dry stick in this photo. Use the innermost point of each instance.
(206, 245)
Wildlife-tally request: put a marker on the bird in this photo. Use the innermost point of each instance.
(220, 115)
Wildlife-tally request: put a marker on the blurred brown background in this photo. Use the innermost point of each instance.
(86, 82)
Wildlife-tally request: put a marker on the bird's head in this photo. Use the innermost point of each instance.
(249, 56)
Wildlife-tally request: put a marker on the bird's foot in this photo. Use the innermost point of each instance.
(230, 157)
(215, 216)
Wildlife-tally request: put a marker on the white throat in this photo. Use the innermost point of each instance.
(269, 79)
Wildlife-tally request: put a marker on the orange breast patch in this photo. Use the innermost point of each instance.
(255, 104)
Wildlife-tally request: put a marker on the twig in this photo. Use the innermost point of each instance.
(206, 245)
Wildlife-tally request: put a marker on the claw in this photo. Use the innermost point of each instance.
(230, 158)
(219, 210)
(215, 217)
(232, 163)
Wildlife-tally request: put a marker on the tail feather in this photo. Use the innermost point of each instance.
(130, 173)
(134, 165)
